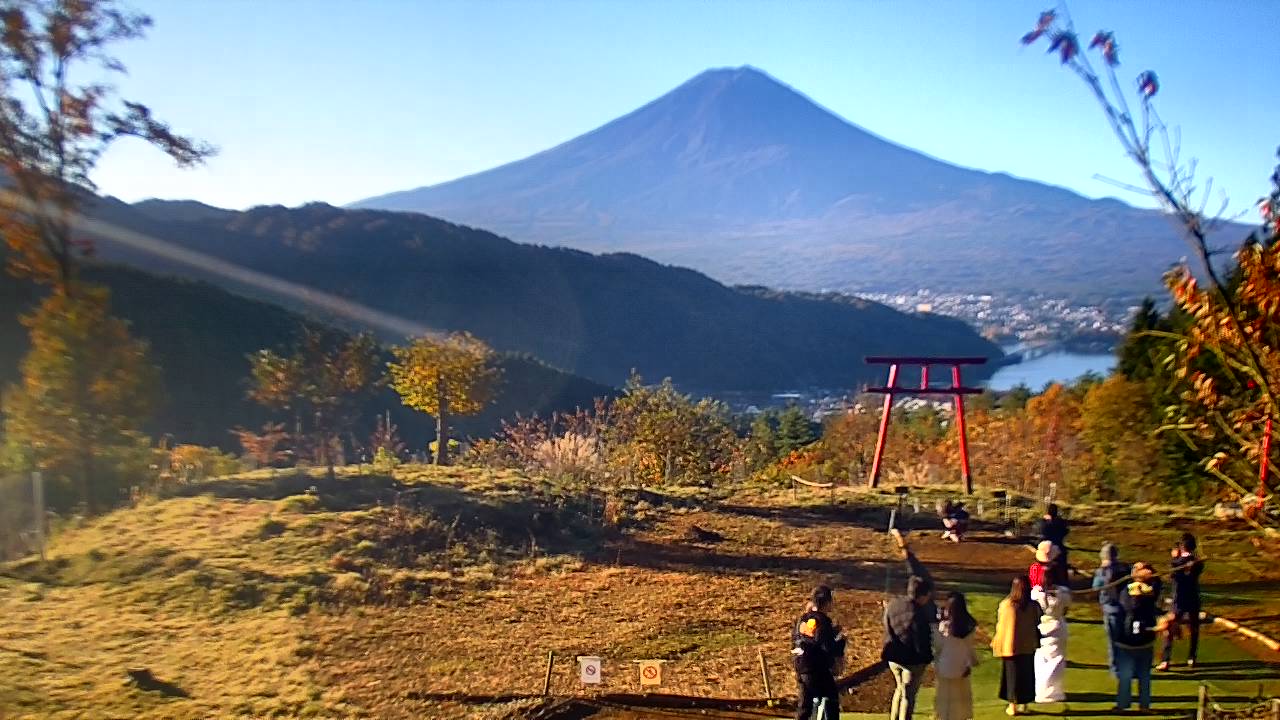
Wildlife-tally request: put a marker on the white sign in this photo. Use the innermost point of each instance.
(589, 669)
(650, 672)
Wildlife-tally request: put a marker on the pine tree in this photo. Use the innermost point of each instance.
(762, 444)
(794, 430)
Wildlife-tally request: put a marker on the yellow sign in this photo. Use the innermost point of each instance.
(650, 672)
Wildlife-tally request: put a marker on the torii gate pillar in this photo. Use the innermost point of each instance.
(957, 391)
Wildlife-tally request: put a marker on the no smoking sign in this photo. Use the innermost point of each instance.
(589, 669)
(650, 672)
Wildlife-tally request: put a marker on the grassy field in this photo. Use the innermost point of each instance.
(1236, 670)
(439, 593)
(413, 594)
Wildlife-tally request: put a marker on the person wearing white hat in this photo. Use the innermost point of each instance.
(1049, 589)
(1046, 571)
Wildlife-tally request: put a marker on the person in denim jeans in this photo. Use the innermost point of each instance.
(1105, 582)
(1135, 641)
(908, 644)
(1186, 600)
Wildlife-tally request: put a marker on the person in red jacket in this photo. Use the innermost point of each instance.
(1047, 572)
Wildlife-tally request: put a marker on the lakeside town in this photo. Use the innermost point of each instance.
(1028, 320)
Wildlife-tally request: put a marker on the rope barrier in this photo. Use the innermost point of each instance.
(1209, 709)
(809, 483)
(1115, 583)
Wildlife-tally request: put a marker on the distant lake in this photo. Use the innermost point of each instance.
(1052, 367)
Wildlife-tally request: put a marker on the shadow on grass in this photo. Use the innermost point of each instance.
(1072, 664)
(145, 681)
(1257, 674)
(866, 575)
(1156, 698)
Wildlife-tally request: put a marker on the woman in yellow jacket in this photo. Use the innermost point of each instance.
(1015, 641)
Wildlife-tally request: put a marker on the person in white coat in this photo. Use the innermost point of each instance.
(1051, 656)
(954, 660)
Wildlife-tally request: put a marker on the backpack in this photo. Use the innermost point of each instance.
(1139, 621)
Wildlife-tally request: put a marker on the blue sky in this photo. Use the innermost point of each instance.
(336, 101)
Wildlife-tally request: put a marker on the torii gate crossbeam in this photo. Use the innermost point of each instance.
(957, 391)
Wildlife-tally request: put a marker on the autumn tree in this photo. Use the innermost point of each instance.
(1233, 316)
(1229, 353)
(85, 383)
(320, 383)
(265, 448)
(386, 436)
(658, 434)
(443, 377)
(1116, 424)
(55, 124)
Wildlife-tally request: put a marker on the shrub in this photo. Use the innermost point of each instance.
(571, 456)
(270, 527)
(384, 460)
(193, 462)
(300, 503)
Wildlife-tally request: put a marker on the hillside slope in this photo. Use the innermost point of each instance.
(742, 177)
(201, 336)
(599, 316)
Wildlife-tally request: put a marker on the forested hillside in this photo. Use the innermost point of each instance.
(599, 316)
(200, 337)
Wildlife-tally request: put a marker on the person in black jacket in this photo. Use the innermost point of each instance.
(817, 645)
(1135, 637)
(908, 644)
(1186, 600)
(1054, 528)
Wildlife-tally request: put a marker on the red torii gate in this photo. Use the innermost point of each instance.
(957, 390)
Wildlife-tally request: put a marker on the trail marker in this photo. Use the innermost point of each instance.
(650, 672)
(589, 669)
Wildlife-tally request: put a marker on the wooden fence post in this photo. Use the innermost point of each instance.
(764, 674)
(1202, 705)
(37, 497)
(546, 681)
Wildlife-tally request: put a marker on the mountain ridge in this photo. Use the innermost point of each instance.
(599, 316)
(742, 176)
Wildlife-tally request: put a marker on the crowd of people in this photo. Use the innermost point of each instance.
(1030, 634)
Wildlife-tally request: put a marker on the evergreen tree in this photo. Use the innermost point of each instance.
(794, 430)
(1139, 354)
(1016, 398)
(762, 443)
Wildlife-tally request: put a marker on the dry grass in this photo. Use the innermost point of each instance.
(272, 596)
(289, 596)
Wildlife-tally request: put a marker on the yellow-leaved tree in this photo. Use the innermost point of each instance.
(442, 377)
(85, 384)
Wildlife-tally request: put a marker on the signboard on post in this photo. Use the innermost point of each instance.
(589, 669)
(650, 672)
